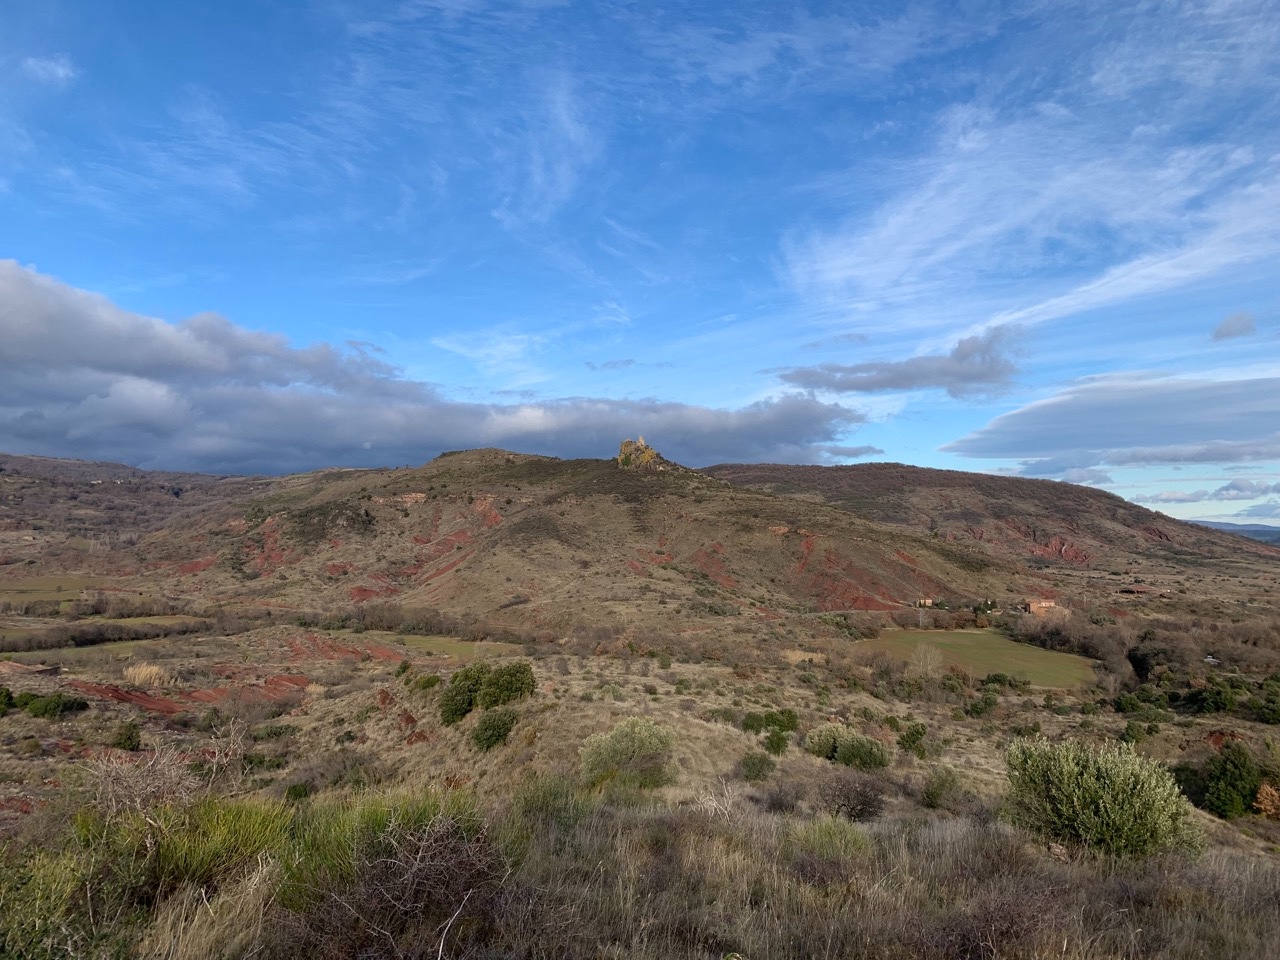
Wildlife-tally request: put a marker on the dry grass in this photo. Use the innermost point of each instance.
(148, 675)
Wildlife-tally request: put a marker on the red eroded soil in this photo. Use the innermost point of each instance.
(197, 566)
(710, 561)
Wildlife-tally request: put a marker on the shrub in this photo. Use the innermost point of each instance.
(493, 728)
(455, 703)
(636, 751)
(423, 683)
(6, 700)
(1107, 798)
(863, 753)
(940, 787)
(755, 767)
(128, 736)
(776, 742)
(851, 794)
(1231, 782)
(459, 697)
(912, 738)
(504, 684)
(53, 706)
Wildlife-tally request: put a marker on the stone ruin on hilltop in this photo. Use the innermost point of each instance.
(638, 455)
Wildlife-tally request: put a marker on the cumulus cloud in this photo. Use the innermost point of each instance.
(1262, 510)
(1131, 420)
(85, 378)
(1236, 325)
(975, 365)
(1235, 490)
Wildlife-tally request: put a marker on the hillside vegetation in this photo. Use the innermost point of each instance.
(502, 705)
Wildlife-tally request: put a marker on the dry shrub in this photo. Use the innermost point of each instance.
(190, 925)
(148, 675)
(851, 794)
(433, 893)
(118, 783)
(1267, 802)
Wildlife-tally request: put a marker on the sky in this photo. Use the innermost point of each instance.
(1032, 238)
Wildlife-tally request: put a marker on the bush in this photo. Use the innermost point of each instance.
(1109, 798)
(128, 736)
(482, 685)
(912, 738)
(776, 742)
(755, 767)
(863, 753)
(52, 707)
(1231, 782)
(940, 787)
(851, 794)
(6, 700)
(459, 697)
(636, 752)
(504, 684)
(423, 683)
(493, 728)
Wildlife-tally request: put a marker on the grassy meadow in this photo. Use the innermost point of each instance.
(981, 652)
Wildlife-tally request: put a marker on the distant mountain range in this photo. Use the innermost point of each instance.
(1254, 531)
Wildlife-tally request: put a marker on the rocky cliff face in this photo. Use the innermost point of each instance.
(638, 455)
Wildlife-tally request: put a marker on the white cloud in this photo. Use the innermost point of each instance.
(57, 71)
(975, 365)
(1130, 420)
(87, 379)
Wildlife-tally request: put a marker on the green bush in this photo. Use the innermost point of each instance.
(455, 703)
(423, 683)
(128, 736)
(1231, 782)
(53, 706)
(755, 767)
(940, 786)
(776, 742)
(912, 738)
(493, 728)
(1108, 798)
(504, 684)
(863, 753)
(637, 752)
(6, 700)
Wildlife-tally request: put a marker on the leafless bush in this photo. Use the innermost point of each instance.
(850, 793)
(430, 892)
(120, 782)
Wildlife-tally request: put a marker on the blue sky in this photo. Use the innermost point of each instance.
(1035, 238)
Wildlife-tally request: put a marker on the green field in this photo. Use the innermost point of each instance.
(449, 646)
(985, 651)
(48, 588)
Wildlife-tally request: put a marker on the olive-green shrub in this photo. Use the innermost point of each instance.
(1108, 798)
(843, 744)
(493, 728)
(637, 751)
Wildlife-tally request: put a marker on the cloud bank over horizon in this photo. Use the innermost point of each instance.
(88, 380)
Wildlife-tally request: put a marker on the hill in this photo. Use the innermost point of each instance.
(289, 718)
(1084, 540)
(1253, 531)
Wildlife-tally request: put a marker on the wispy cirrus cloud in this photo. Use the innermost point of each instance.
(56, 70)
